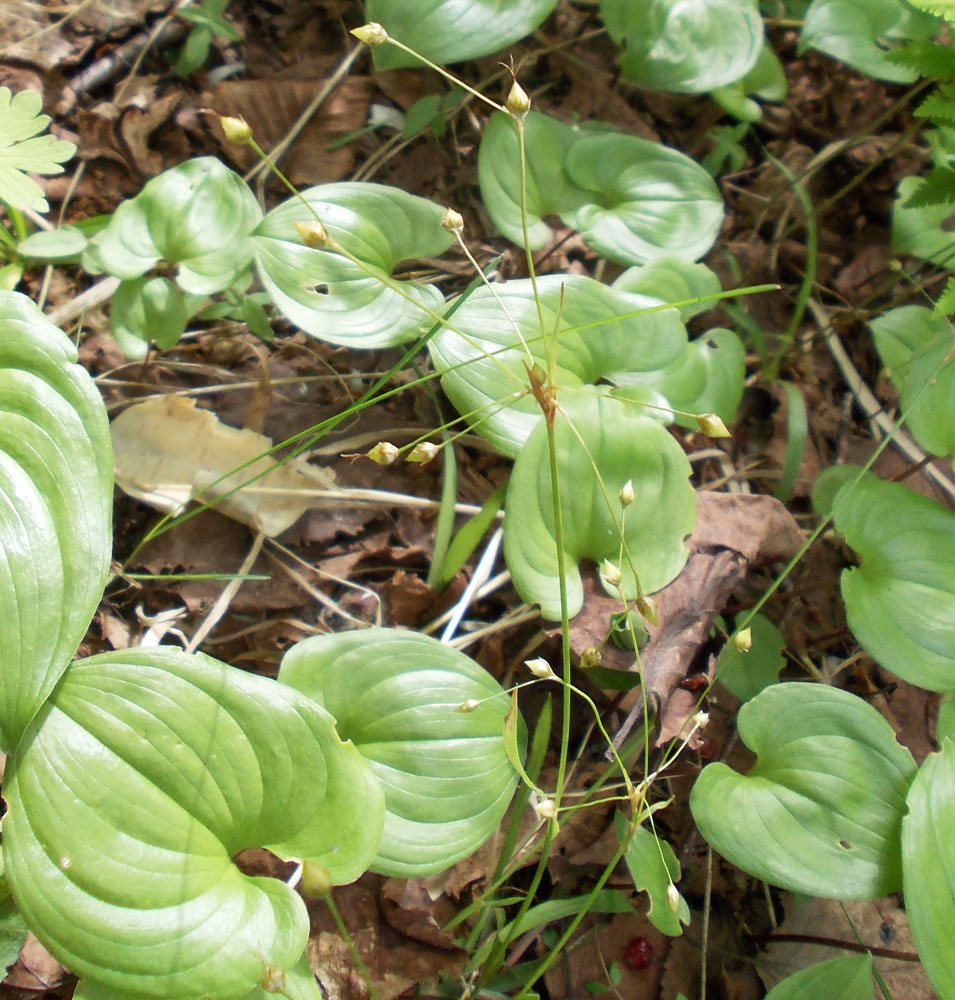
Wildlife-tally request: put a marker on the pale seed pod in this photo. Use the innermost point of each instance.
(452, 221)
(316, 881)
(626, 493)
(384, 453)
(541, 669)
(712, 426)
(313, 234)
(371, 34)
(236, 129)
(518, 103)
(673, 898)
(743, 640)
(422, 453)
(546, 809)
(611, 573)
(466, 707)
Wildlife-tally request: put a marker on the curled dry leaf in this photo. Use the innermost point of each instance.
(167, 452)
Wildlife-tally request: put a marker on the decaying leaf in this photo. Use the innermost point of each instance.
(167, 452)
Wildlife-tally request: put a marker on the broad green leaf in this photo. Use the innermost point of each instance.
(766, 80)
(13, 928)
(328, 296)
(928, 865)
(945, 722)
(654, 868)
(449, 31)
(820, 811)
(445, 774)
(848, 978)
(744, 675)
(861, 32)
(54, 245)
(198, 216)
(56, 493)
(482, 359)
(645, 200)
(672, 279)
(632, 200)
(706, 377)
(685, 46)
(899, 598)
(143, 776)
(144, 310)
(548, 188)
(916, 344)
(601, 443)
(23, 150)
(922, 232)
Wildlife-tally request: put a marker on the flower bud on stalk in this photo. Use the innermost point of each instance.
(316, 881)
(626, 493)
(384, 453)
(422, 453)
(546, 809)
(673, 898)
(611, 573)
(647, 607)
(590, 657)
(743, 640)
(236, 129)
(541, 669)
(518, 103)
(466, 707)
(452, 221)
(712, 426)
(314, 235)
(371, 34)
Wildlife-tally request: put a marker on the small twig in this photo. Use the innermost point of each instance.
(898, 956)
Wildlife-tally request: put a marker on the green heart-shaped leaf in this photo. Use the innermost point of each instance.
(821, 810)
(445, 773)
(654, 868)
(482, 359)
(328, 296)
(685, 46)
(56, 487)
(143, 776)
(198, 216)
(706, 377)
(928, 865)
(859, 32)
(632, 200)
(548, 188)
(645, 200)
(602, 443)
(899, 598)
(448, 31)
(914, 343)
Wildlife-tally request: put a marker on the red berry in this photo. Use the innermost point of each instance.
(638, 954)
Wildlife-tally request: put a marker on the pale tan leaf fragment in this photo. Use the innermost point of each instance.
(167, 452)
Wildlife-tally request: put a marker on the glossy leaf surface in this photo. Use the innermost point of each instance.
(672, 279)
(646, 200)
(135, 787)
(820, 812)
(859, 32)
(632, 200)
(601, 443)
(197, 216)
(445, 774)
(685, 46)
(146, 310)
(899, 598)
(915, 343)
(448, 31)
(847, 978)
(328, 296)
(482, 364)
(56, 490)
(928, 864)
(706, 377)
(549, 189)
(922, 232)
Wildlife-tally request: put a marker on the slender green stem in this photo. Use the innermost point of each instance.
(349, 941)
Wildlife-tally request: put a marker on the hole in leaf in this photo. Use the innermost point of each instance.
(845, 845)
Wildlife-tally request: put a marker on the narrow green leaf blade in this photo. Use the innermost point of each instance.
(654, 868)
(928, 866)
(821, 810)
(144, 775)
(394, 694)
(56, 486)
